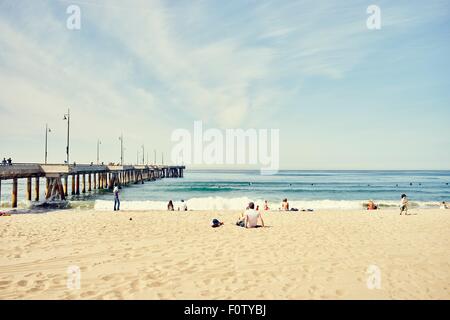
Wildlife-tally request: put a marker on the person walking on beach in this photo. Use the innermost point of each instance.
(116, 198)
(404, 205)
(170, 206)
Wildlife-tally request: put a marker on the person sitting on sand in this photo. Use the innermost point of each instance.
(285, 205)
(252, 216)
(183, 206)
(266, 205)
(170, 206)
(404, 205)
(443, 205)
(241, 219)
(371, 205)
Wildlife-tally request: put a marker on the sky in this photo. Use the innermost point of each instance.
(342, 96)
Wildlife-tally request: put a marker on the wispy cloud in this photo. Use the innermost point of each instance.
(145, 67)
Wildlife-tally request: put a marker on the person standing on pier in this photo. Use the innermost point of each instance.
(116, 198)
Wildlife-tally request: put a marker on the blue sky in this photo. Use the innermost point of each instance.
(343, 96)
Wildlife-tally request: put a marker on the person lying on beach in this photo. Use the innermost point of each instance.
(216, 223)
(170, 206)
(443, 205)
(285, 205)
(371, 205)
(404, 205)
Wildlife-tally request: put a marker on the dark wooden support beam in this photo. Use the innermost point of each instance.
(14, 194)
(36, 189)
(28, 192)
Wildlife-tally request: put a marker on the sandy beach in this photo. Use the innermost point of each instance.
(162, 255)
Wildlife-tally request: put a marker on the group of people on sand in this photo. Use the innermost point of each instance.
(404, 204)
(7, 162)
(170, 206)
(252, 216)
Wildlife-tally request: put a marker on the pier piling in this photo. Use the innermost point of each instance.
(36, 189)
(73, 184)
(77, 185)
(14, 194)
(28, 194)
(83, 183)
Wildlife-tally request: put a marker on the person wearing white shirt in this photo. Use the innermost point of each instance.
(183, 206)
(252, 216)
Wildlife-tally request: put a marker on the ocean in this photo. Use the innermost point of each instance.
(233, 189)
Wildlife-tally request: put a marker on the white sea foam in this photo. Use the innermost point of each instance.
(221, 203)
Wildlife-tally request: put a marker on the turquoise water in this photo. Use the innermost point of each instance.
(214, 189)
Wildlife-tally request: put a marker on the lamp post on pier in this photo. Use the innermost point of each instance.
(98, 150)
(121, 149)
(67, 117)
(47, 130)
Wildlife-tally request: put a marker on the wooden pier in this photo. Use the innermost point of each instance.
(92, 177)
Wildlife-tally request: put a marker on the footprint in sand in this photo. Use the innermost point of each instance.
(107, 278)
(5, 283)
(22, 283)
(154, 284)
(339, 293)
(88, 294)
(313, 290)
